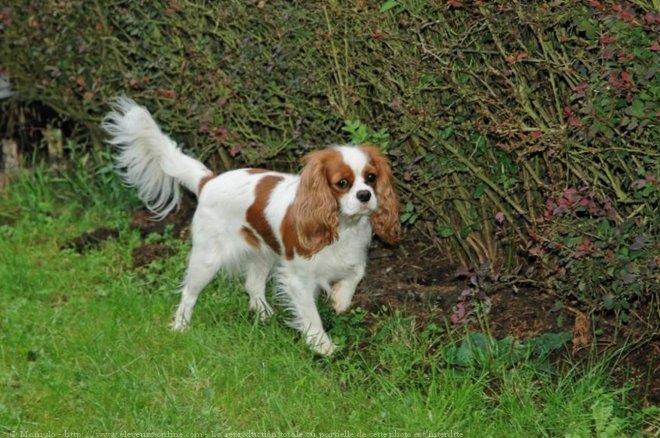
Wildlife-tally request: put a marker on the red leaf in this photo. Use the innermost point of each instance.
(584, 248)
(605, 40)
(5, 17)
(627, 14)
(625, 76)
(516, 57)
(581, 89)
(574, 122)
(220, 133)
(377, 34)
(652, 18)
(455, 3)
(655, 46)
(536, 135)
(164, 92)
(595, 4)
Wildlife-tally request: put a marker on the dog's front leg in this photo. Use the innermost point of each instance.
(301, 296)
(342, 292)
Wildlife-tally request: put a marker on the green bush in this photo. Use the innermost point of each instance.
(489, 110)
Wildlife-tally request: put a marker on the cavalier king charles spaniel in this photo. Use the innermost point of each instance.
(311, 230)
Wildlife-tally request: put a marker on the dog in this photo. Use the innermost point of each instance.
(310, 231)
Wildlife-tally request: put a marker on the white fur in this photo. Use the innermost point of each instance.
(149, 160)
(350, 205)
(154, 164)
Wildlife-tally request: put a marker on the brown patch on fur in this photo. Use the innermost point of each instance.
(311, 222)
(256, 215)
(256, 171)
(289, 235)
(203, 181)
(385, 221)
(250, 237)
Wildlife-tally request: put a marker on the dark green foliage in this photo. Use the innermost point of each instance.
(488, 110)
(480, 349)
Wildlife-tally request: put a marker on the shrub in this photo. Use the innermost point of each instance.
(493, 109)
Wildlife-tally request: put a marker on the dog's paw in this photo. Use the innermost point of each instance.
(325, 349)
(261, 309)
(340, 299)
(179, 324)
(321, 344)
(340, 306)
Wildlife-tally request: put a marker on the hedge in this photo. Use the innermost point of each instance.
(516, 128)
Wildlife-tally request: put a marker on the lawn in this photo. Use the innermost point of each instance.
(85, 349)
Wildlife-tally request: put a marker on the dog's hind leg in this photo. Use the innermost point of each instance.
(256, 275)
(203, 264)
(208, 255)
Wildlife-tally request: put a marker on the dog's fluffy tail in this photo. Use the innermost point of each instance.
(148, 159)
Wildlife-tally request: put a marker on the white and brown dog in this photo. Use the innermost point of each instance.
(310, 230)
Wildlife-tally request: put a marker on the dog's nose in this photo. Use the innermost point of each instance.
(363, 195)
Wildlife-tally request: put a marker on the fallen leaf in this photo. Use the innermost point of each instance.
(638, 243)
(581, 332)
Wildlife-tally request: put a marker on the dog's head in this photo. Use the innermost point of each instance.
(345, 181)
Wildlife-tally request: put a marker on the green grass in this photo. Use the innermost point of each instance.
(85, 347)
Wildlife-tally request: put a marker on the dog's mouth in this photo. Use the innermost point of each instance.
(362, 210)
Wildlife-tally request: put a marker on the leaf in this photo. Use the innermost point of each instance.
(480, 143)
(546, 343)
(637, 108)
(639, 243)
(465, 232)
(629, 278)
(588, 27)
(479, 190)
(445, 231)
(581, 332)
(446, 133)
(605, 420)
(389, 4)
(473, 348)
(572, 241)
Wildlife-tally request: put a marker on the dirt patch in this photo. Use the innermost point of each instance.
(178, 221)
(423, 284)
(148, 252)
(427, 286)
(90, 240)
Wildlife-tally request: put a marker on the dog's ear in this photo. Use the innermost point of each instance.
(385, 221)
(315, 209)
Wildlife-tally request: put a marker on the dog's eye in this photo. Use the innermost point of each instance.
(342, 183)
(371, 178)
